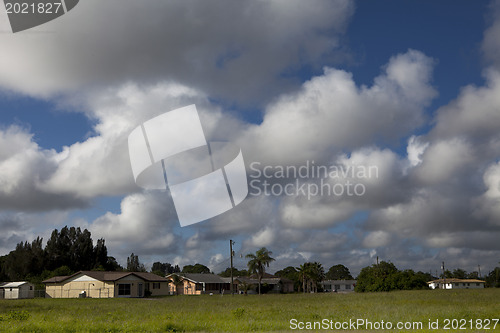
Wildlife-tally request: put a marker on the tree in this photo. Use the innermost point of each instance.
(339, 272)
(459, 274)
(386, 277)
(196, 268)
(290, 273)
(245, 287)
(113, 265)
(133, 264)
(100, 254)
(236, 272)
(163, 269)
(258, 262)
(493, 278)
(176, 280)
(311, 274)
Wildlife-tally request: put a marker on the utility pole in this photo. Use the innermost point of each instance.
(444, 276)
(232, 254)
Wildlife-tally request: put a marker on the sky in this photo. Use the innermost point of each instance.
(409, 90)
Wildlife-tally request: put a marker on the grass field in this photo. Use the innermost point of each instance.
(252, 313)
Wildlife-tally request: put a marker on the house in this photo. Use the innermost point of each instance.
(198, 284)
(100, 284)
(271, 283)
(17, 290)
(338, 285)
(456, 284)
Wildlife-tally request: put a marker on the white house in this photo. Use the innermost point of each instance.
(338, 285)
(17, 290)
(456, 284)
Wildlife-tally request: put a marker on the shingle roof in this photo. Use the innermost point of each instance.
(200, 278)
(109, 276)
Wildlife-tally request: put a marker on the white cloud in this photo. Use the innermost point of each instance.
(331, 113)
(24, 167)
(444, 161)
(415, 149)
(230, 50)
(377, 239)
(145, 222)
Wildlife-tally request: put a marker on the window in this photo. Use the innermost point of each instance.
(456, 284)
(156, 285)
(124, 289)
(347, 286)
(31, 287)
(477, 284)
(337, 287)
(199, 286)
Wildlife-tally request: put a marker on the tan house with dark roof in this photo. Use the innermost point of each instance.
(99, 284)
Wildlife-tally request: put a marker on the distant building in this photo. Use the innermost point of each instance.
(456, 284)
(99, 284)
(17, 290)
(338, 285)
(198, 284)
(271, 283)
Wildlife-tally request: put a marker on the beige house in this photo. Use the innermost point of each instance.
(456, 284)
(17, 290)
(98, 284)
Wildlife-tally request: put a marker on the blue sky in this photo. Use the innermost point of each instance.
(338, 82)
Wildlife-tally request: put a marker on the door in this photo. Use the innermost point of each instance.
(140, 290)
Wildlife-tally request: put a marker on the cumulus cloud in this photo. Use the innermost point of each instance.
(331, 113)
(145, 221)
(227, 49)
(25, 167)
(439, 200)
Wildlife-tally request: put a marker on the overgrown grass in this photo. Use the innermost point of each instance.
(244, 313)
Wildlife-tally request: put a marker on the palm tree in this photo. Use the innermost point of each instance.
(177, 281)
(311, 273)
(258, 262)
(304, 271)
(244, 286)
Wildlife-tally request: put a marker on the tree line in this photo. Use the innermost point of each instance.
(71, 250)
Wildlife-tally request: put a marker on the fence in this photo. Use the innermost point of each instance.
(75, 293)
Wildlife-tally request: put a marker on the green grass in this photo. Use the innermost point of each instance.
(244, 313)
